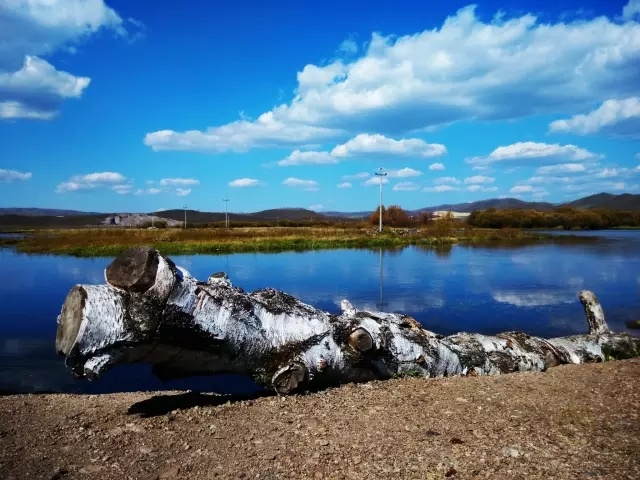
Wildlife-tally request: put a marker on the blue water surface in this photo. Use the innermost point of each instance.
(533, 289)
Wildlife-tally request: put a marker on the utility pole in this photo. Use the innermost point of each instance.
(185, 215)
(226, 212)
(380, 174)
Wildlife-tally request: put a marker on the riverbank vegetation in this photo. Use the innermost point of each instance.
(176, 241)
(563, 217)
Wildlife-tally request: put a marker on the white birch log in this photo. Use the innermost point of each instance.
(154, 312)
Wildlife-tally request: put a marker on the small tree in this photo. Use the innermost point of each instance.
(444, 224)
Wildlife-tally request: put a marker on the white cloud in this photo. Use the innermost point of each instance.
(147, 191)
(440, 188)
(467, 68)
(405, 187)
(561, 168)
(8, 176)
(240, 136)
(348, 46)
(183, 192)
(443, 180)
(244, 183)
(357, 176)
(535, 191)
(436, 166)
(182, 182)
(610, 172)
(533, 152)
(123, 189)
(298, 157)
(379, 144)
(345, 185)
(403, 173)
(480, 188)
(31, 87)
(375, 181)
(478, 179)
(616, 117)
(310, 185)
(92, 181)
(631, 10)
(315, 207)
(365, 144)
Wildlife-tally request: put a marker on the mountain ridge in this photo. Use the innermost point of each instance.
(624, 201)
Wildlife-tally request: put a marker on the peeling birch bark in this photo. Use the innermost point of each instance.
(152, 311)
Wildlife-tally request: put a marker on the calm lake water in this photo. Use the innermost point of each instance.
(487, 290)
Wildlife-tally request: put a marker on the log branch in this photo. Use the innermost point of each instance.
(152, 311)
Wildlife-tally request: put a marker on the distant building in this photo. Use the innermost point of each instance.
(441, 213)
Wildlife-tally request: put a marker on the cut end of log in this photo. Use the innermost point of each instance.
(134, 270)
(288, 378)
(593, 312)
(70, 319)
(361, 340)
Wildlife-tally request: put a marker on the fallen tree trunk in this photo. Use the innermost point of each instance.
(152, 311)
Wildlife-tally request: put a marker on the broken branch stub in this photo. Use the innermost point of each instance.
(155, 312)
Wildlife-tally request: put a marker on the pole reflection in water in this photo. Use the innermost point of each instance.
(381, 303)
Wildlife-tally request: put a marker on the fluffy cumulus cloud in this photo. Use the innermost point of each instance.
(478, 180)
(441, 188)
(240, 136)
(375, 181)
(403, 173)
(406, 187)
(365, 145)
(481, 188)
(527, 153)
(113, 180)
(616, 117)
(122, 185)
(466, 68)
(561, 168)
(528, 189)
(245, 183)
(345, 185)
(178, 182)
(8, 176)
(356, 176)
(31, 87)
(436, 166)
(148, 191)
(310, 185)
(446, 180)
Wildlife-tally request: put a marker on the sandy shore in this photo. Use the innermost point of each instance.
(572, 422)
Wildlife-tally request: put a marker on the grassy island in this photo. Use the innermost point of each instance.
(109, 241)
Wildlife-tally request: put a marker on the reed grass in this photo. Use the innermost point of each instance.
(94, 242)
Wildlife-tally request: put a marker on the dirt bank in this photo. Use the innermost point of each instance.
(573, 422)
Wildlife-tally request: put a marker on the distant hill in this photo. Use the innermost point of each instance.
(51, 218)
(625, 201)
(497, 203)
(53, 212)
(273, 215)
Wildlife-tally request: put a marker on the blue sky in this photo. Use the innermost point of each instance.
(137, 106)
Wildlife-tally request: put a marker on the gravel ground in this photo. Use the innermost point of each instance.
(571, 422)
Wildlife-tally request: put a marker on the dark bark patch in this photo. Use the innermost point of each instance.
(134, 270)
